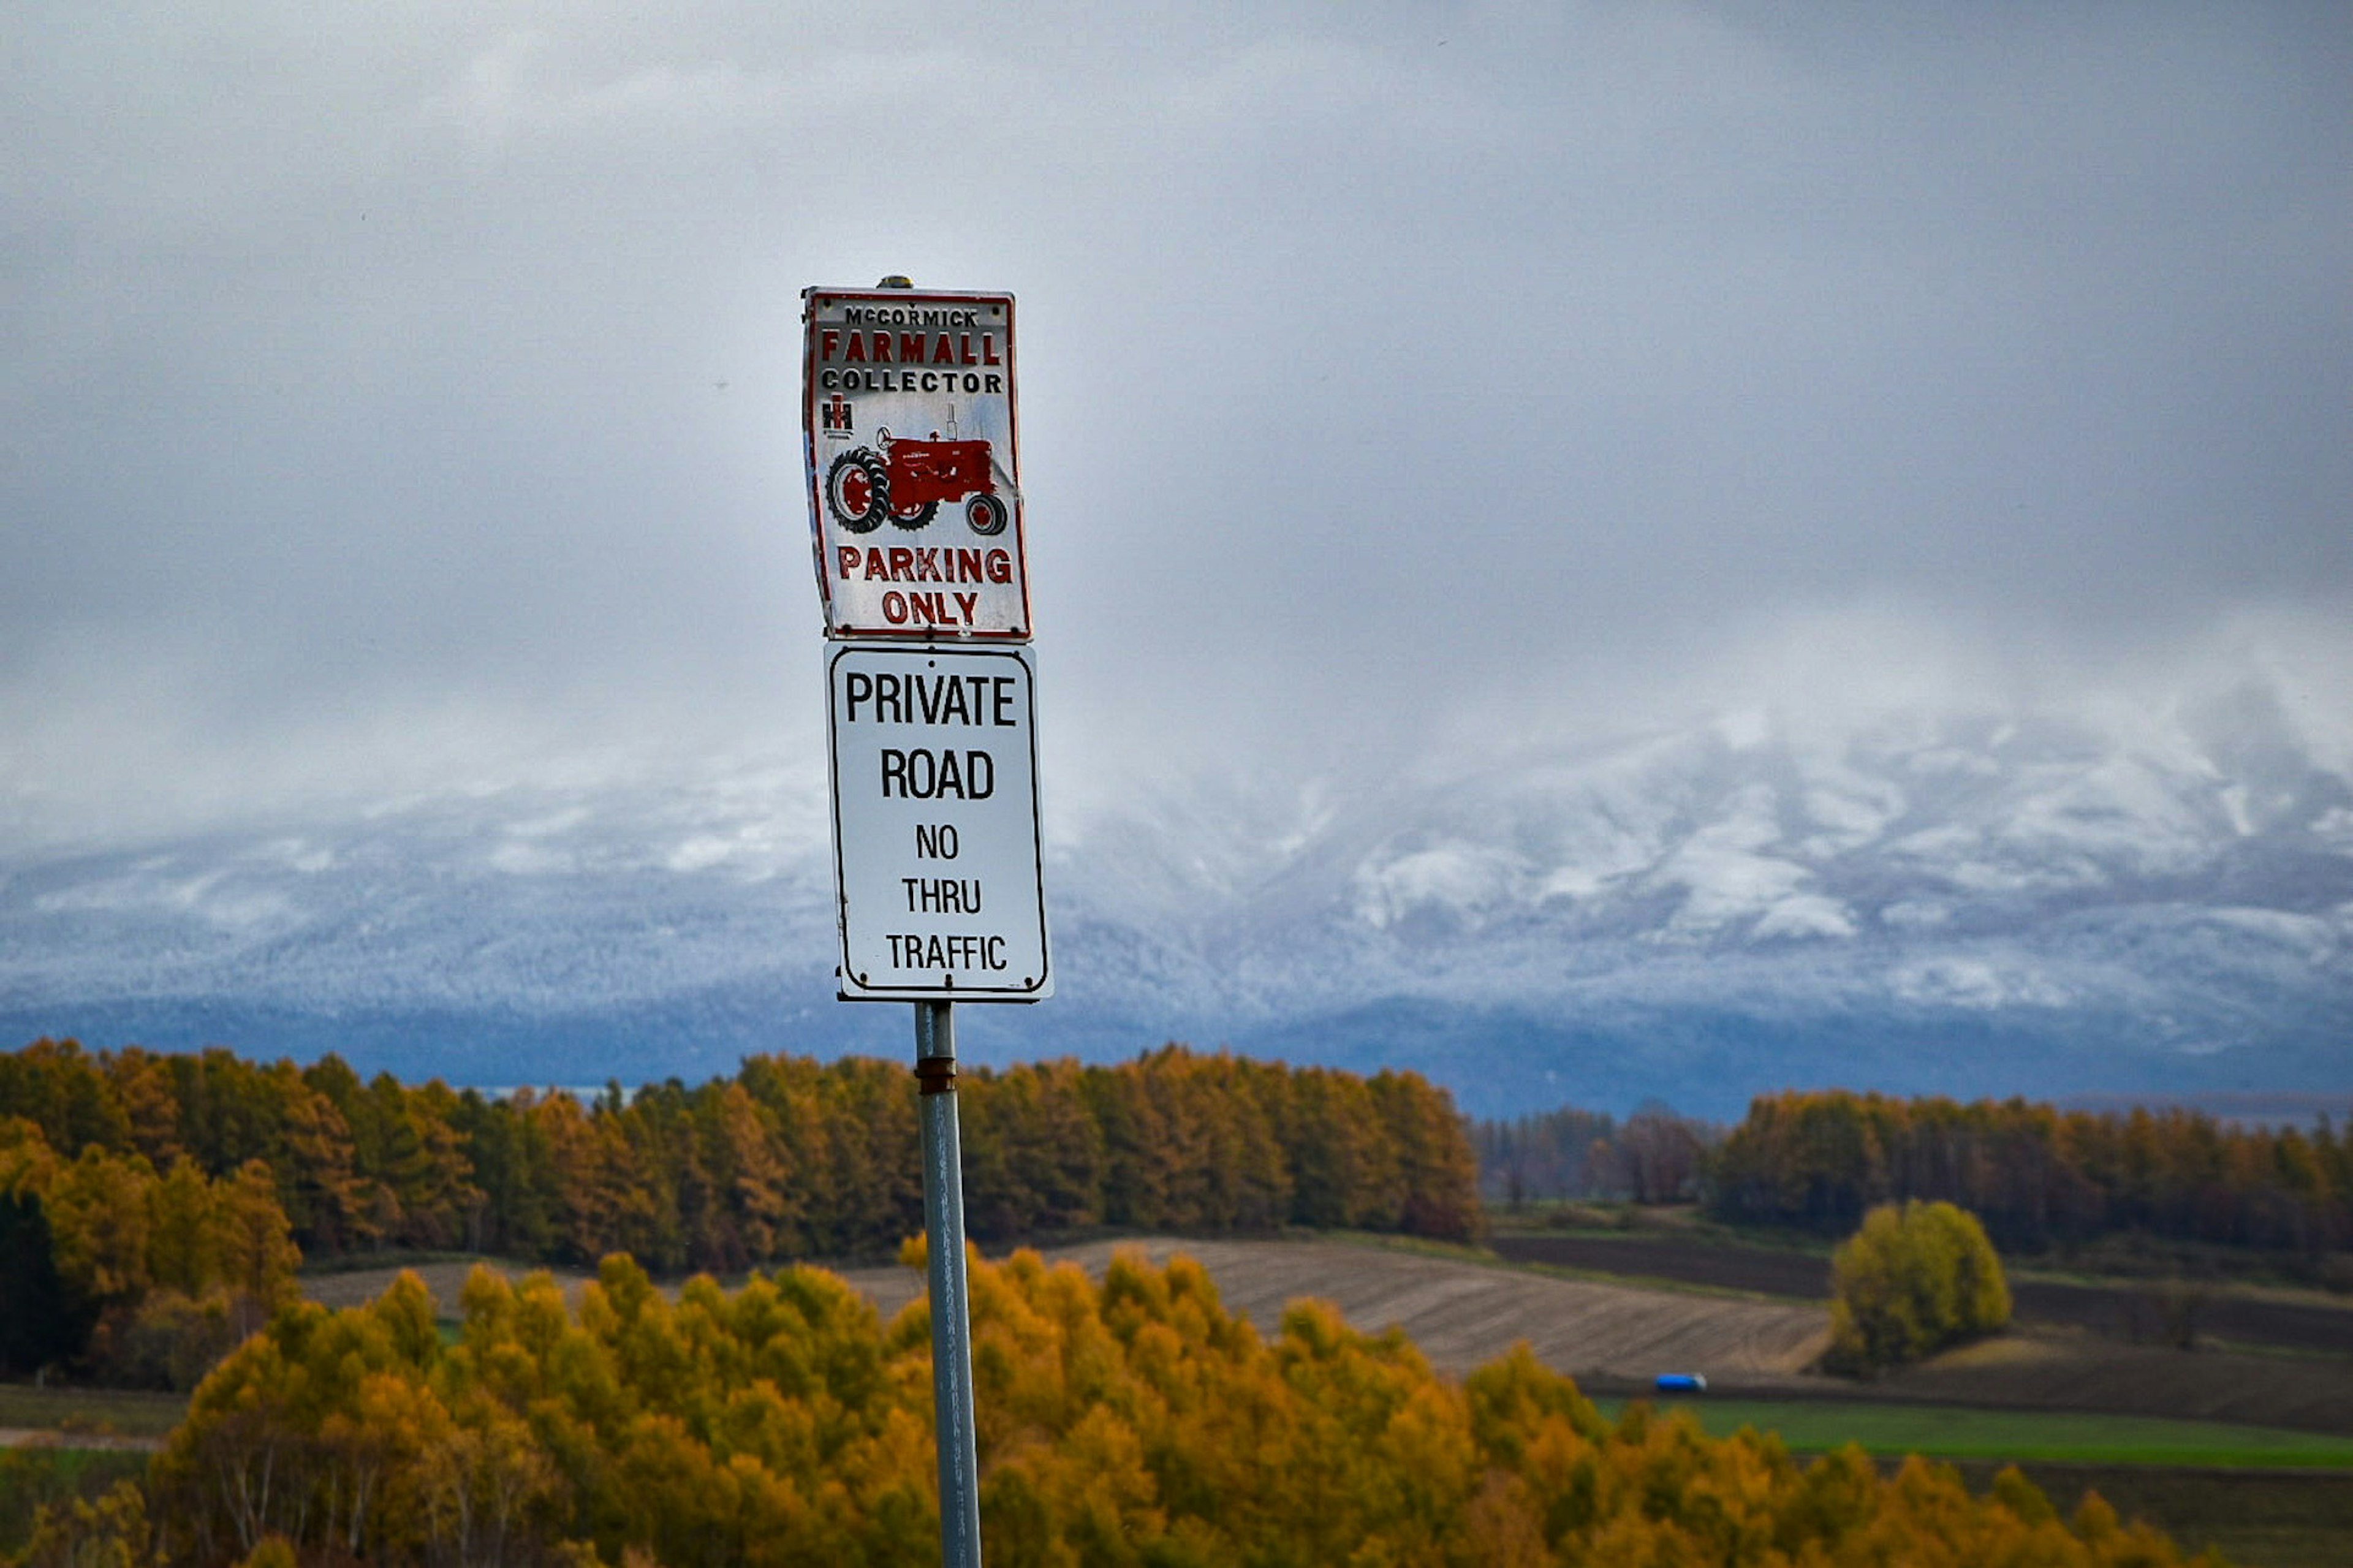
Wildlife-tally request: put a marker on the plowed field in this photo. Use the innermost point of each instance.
(1460, 1312)
(2236, 1316)
(1615, 1337)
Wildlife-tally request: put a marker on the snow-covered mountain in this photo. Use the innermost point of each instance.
(1968, 904)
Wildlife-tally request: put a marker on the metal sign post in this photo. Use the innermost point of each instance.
(959, 1451)
(907, 421)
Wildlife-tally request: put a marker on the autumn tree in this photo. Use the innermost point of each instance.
(41, 1321)
(140, 1279)
(514, 1169)
(1658, 1156)
(1439, 1178)
(1345, 1171)
(55, 1085)
(1913, 1278)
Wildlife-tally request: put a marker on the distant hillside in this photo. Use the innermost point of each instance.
(1961, 905)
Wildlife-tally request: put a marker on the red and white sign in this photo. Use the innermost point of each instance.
(915, 468)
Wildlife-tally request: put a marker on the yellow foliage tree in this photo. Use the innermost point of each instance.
(154, 1277)
(1913, 1278)
(99, 1216)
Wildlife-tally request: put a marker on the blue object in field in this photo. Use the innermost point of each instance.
(1682, 1382)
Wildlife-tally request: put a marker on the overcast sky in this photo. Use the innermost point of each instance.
(406, 393)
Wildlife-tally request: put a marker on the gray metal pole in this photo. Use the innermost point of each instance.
(951, 1311)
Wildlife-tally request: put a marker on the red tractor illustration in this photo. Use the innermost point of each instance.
(905, 481)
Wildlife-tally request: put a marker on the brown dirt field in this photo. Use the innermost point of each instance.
(358, 1287)
(1687, 1261)
(2058, 1369)
(51, 1438)
(1460, 1314)
(1616, 1338)
(89, 1417)
(2240, 1317)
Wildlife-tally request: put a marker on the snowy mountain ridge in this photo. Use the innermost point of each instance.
(1972, 904)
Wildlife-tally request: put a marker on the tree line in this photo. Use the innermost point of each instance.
(1652, 1157)
(2036, 1174)
(144, 1279)
(1131, 1423)
(790, 1158)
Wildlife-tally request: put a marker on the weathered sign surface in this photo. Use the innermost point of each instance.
(915, 468)
(936, 824)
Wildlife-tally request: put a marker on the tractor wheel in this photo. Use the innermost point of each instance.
(916, 517)
(986, 515)
(857, 489)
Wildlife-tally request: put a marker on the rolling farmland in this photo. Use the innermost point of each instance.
(1460, 1312)
(1615, 1336)
(2078, 1408)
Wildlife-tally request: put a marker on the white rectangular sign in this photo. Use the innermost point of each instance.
(914, 466)
(936, 824)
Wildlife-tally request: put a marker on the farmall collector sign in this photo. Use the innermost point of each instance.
(915, 496)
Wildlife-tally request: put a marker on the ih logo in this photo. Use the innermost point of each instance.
(837, 415)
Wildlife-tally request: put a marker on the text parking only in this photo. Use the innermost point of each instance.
(936, 824)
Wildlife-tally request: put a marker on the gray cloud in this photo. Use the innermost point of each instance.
(381, 396)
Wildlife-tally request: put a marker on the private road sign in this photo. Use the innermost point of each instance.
(936, 824)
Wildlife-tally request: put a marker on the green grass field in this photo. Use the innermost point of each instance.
(30, 1478)
(69, 1409)
(1945, 1431)
(1807, 1426)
